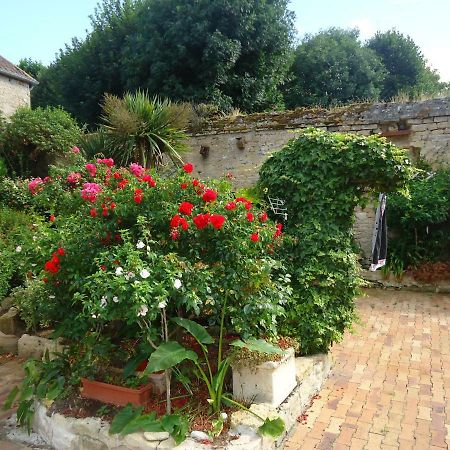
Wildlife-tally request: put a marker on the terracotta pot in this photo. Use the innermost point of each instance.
(117, 395)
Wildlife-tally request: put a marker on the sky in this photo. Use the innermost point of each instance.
(39, 28)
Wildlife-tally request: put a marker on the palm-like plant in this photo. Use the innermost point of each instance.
(137, 128)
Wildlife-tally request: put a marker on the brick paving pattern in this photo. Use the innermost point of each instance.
(390, 386)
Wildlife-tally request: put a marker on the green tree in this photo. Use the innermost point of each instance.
(233, 53)
(332, 67)
(32, 67)
(407, 70)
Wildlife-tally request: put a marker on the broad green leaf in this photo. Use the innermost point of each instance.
(272, 427)
(195, 329)
(147, 422)
(177, 426)
(124, 417)
(258, 345)
(168, 355)
(10, 399)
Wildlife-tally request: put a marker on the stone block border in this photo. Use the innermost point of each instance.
(66, 433)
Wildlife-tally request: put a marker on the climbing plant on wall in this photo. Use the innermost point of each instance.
(323, 177)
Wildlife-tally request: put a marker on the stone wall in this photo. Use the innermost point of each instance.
(241, 144)
(13, 94)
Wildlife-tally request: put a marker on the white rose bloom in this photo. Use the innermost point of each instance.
(177, 283)
(162, 305)
(115, 299)
(103, 301)
(51, 297)
(143, 310)
(129, 275)
(119, 271)
(224, 415)
(94, 316)
(18, 249)
(144, 273)
(140, 245)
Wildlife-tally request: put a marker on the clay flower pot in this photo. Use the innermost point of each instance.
(117, 395)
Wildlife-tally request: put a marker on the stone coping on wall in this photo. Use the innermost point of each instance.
(405, 282)
(354, 114)
(66, 433)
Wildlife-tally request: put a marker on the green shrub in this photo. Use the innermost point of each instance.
(3, 168)
(322, 177)
(34, 136)
(420, 222)
(14, 193)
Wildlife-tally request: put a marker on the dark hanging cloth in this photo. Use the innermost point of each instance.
(379, 240)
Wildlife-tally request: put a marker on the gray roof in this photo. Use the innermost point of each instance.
(8, 69)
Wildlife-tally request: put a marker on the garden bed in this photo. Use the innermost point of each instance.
(69, 433)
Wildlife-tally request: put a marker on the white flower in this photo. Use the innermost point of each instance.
(143, 310)
(162, 305)
(51, 297)
(129, 275)
(18, 249)
(119, 271)
(144, 273)
(177, 283)
(140, 245)
(94, 316)
(103, 301)
(115, 299)
(224, 415)
(35, 238)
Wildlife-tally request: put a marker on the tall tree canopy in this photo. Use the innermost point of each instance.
(332, 67)
(234, 53)
(407, 70)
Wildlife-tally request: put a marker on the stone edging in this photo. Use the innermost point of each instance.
(65, 433)
(406, 282)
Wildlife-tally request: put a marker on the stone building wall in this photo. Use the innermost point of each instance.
(241, 144)
(13, 94)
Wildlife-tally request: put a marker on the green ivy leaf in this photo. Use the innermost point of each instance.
(272, 427)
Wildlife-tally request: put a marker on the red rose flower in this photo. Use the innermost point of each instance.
(51, 266)
(195, 182)
(149, 180)
(217, 221)
(112, 206)
(186, 208)
(201, 220)
(138, 196)
(118, 237)
(52, 218)
(279, 227)
(209, 195)
(250, 217)
(254, 237)
(174, 234)
(103, 267)
(183, 223)
(61, 251)
(230, 206)
(117, 175)
(93, 212)
(183, 185)
(122, 184)
(105, 212)
(175, 222)
(188, 168)
(263, 217)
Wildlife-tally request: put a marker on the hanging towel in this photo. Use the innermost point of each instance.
(379, 239)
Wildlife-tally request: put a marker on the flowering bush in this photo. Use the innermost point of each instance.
(135, 243)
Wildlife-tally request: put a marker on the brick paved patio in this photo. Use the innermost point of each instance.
(390, 386)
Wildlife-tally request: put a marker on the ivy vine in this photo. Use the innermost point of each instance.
(322, 177)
